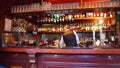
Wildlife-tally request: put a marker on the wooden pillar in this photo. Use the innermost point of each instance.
(4, 5)
(118, 33)
(81, 3)
(1, 27)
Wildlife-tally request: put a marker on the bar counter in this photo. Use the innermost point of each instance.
(63, 51)
(59, 58)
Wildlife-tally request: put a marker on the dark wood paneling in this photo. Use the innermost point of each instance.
(79, 61)
(16, 60)
(82, 58)
(61, 58)
(1, 59)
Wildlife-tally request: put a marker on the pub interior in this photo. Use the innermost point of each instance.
(31, 30)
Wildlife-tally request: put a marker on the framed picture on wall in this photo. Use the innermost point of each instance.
(8, 25)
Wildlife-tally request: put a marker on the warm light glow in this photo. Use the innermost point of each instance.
(70, 17)
(101, 21)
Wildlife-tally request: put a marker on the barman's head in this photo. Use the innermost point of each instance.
(67, 27)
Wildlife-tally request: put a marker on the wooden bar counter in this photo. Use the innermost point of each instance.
(59, 58)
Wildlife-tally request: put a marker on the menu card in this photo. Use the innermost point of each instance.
(8, 24)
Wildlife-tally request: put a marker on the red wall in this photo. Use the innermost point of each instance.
(69, 1)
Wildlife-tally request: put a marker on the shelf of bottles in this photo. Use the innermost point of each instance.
(79, 27)
(81, 22)
(69, 18)
(33, 7)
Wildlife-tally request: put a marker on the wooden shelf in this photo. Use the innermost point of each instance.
(47, 32)
(89, 31)
(81, 31)
(91, 9)
(78, 9)
(90, 18)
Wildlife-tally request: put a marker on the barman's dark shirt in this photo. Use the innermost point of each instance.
(70, 38)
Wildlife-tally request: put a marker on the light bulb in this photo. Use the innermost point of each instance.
(100, 21)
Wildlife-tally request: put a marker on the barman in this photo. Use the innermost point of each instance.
(69, 37)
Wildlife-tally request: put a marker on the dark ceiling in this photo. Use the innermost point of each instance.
(6, 4)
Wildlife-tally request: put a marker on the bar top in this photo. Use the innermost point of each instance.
(61, 51)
